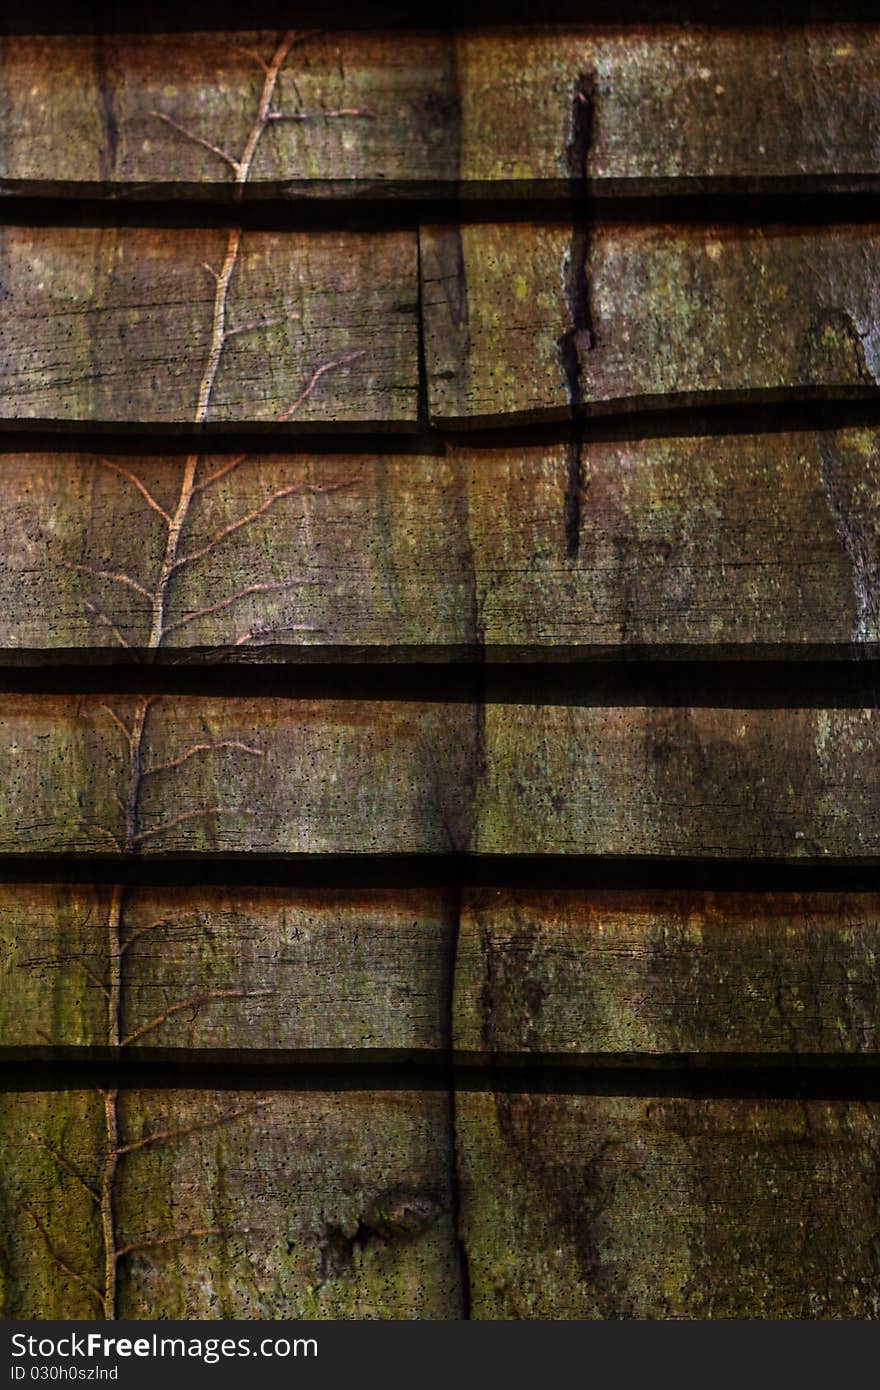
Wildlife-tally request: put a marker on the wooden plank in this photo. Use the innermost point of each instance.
(308, 777)
(633, 1206)
(229, 970)
(352, 551)
(409, 112)
(651, 974)
(192, 327)
(660, 106)
(779, 784)
(308, 1205)
(236, 776)
(541, 321)
(689, 545)
(349, 112)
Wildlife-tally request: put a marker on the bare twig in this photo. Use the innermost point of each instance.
(220, 473)
(236, 598)
(194, 1001)
(191, 815)
(174, 1239)
(61, 1263)
(120, 723)
(136, 482)
(65, 1165)
(112, 577)
(363, 112)
(291, 490)
(163, 1136)
(198, 140)
(203, 748)
(314, 379)
(256, 324)
(108, 622)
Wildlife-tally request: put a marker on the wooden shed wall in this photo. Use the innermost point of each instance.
(439, 607)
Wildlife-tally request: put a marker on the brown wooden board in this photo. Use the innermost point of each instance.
(245, 972)
(530, 321)
(633, 1206)
(568, 975)
(192, 775)
(197, 775)
(191, 328)
(387, 114)
(737, 544)
(788, 784)
(161, 115)
(261, 1204)
(659, 109)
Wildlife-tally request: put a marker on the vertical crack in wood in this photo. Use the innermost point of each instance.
(580, 336)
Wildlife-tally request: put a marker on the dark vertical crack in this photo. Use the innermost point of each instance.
(106, 92)
(580, 336)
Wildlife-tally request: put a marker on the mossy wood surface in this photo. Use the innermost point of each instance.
(248, 971)
(530, 321)
(127, 325)
(386, 113)
(668, 1207)
(561, 975)
(702, 544)
(292, 777)
(314, 1205)
(658, 974)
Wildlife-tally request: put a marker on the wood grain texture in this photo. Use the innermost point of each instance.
(248, 775)
(622, 1206)
(782, 784)
(670, 104)
(282, 777)
(362, 109)
(249, 971)
(654, 974)
(128, 325)
(694, 545)
(539, 321)
(312, 1205)
(389, 114)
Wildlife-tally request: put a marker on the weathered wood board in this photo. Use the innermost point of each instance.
(311, 1205)
(668, 105)
(391, 113)
(251, 971)
(282, 777)
(541, 320)
(632, 1206)
(709, 783)
(699, 545)
(235, 775)
(352, 110)
(649, 974)
(128, 325)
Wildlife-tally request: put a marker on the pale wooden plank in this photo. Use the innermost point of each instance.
(573, 973)
(318, 1205)
(646, 1207)
(539, 320)
(695, 545)
(129, 325)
